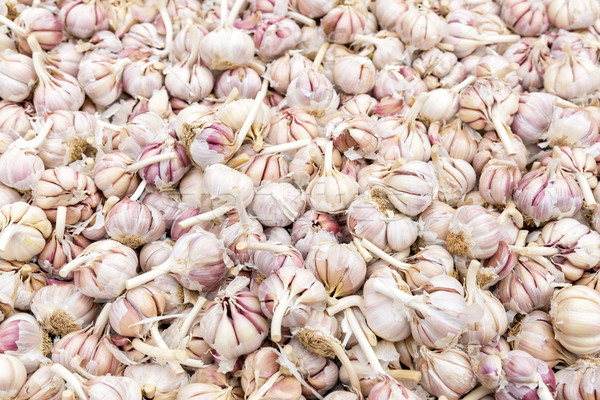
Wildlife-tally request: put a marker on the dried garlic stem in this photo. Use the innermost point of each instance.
(189, 319)
(157, 352)
(146, 277)
(300, 18)
(164, 14)
(275, 248)
(258, 101)
(14, 27)
(337, 305)
(207, 216)
(588, 195)
(298, 144)
(76, 263)
(363, 341)
(278, 314)
(102, 319)
(149, 390)
(160, 342)
(136, 166)
(404, 375)
(233, 13)
(504, 133)
(320, 55)
(61, 217)
(361, 250)
(70, 378)
(67, 395)
(478, 393)
(139, 190)
(534, 250)
(383, 255)
(259, 394)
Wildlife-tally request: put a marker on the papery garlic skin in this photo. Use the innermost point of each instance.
(473, 232)
(573, 310)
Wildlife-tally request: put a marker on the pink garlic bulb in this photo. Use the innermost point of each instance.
(422, 28)
(8, 195)
(62, 309)
(548, 193)
(455, 177)
(339, 267)
(345, 20)
(434, 222)
(168, 203)
(431, 261)
(354, 74)
(574, 242)
(143, 130)
(490, 147)
(60, 248)
(563, 77)
(458, 140)
(113, 176)
(82, 19)
(41, 25)
(473, 232)
(290, 125)
(498, 180)
(221, 183)
(387, 388)
(64, 186)
(529, 286)
(526, 17)
(312, 8)
(42, 384)
(373, 217)
(101, 77)
(209, 142)
(312, 92)
(155, 253)
(113, 388)
(312, 228)
(198, 261)
(572, 128)
(288, 296)
(534, 334)
(243, 79)
(285, 69)
(142, 78)
(410, 187)
(166, 173)
(22, 337)
(101, 270)
(404, 138)
(134, 223)
(278, 204)
(20, 166)
(395, 80)
(525, 376)
(533, 57)
(17, 74)
(274, 36)
(533, 116)
(354, 134)
(233, 324)
(440, 372)
(268, 258)
(162, 380)
(15, 117)
(498, 266)
(128, 313)
(226, 47)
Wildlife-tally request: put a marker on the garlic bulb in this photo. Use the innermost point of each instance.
(134, 223)
(61, 309)
(578, 381)
(26, 228)
(473, 232)
(564, 76)
(583, 130)
(440, 375)
(331, 191)
(573, 14)
(42, 384)
(313, 228)
(18, 76)
(113, 388)
(572, 310)
(421, 28)
(162, 380)
(278, 204)
(455, 177)
(404, 138)
(23, 338)
(13, 378)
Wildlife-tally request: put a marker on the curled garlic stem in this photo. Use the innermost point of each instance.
(70, 378)
(157, 352)
(278, 314)
(337, 305)
(76, 263)
(207, 216)
(139, 190)
(298, 144)
(510, 211)
(164, 14)
(38, 139)
(383, 255)
(136, 166)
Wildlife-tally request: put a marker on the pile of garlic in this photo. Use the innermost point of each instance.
(304, 199)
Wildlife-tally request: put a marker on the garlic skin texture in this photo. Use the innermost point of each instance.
(573, 311)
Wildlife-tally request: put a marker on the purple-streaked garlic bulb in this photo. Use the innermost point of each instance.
(421, 28)
(263, 376)
(312, 92)
(398, 81)
(64, 186)
(233, 324)
(490, 104)
(62, 309)
(403, 137)
(8, 195)
(571, 76)
(354, 135)
(575, 245)
(83, 19)
(525, 376)
(290, 125)
(278, 204)
(25, 281)
(410, 187)
(548, 193)
(101, 77)
(319, 373)
(354, 74)
(373, 217)
(458, 139)
(473, 232)
(288, 296)
(533, 333)
(433, 223)
(208, 142)
(113, 175)
(529, 286)
(285, 69)
(198, 260)
(112, 388)
(490, 147)
(498, 181)
(268, 258)
(497, 267)
(331, 191)
(15, 117)
(388, 388)
(18, 76)
(578, 381)
(487, 319)
(143, 77)
(134, 223)
(344, 21)
(455, 177)
(155, 253)
(431, 261)
(40, 24)
(167, 173)
(141, 131)
(526, 17)
(101, 270)
(440, 372)
(245, 80)
(23, 338)
(23, 231)
(313, 228)
(274, 36)
(262, 167)
(340, 267)
(240, 227)
(168, 203)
